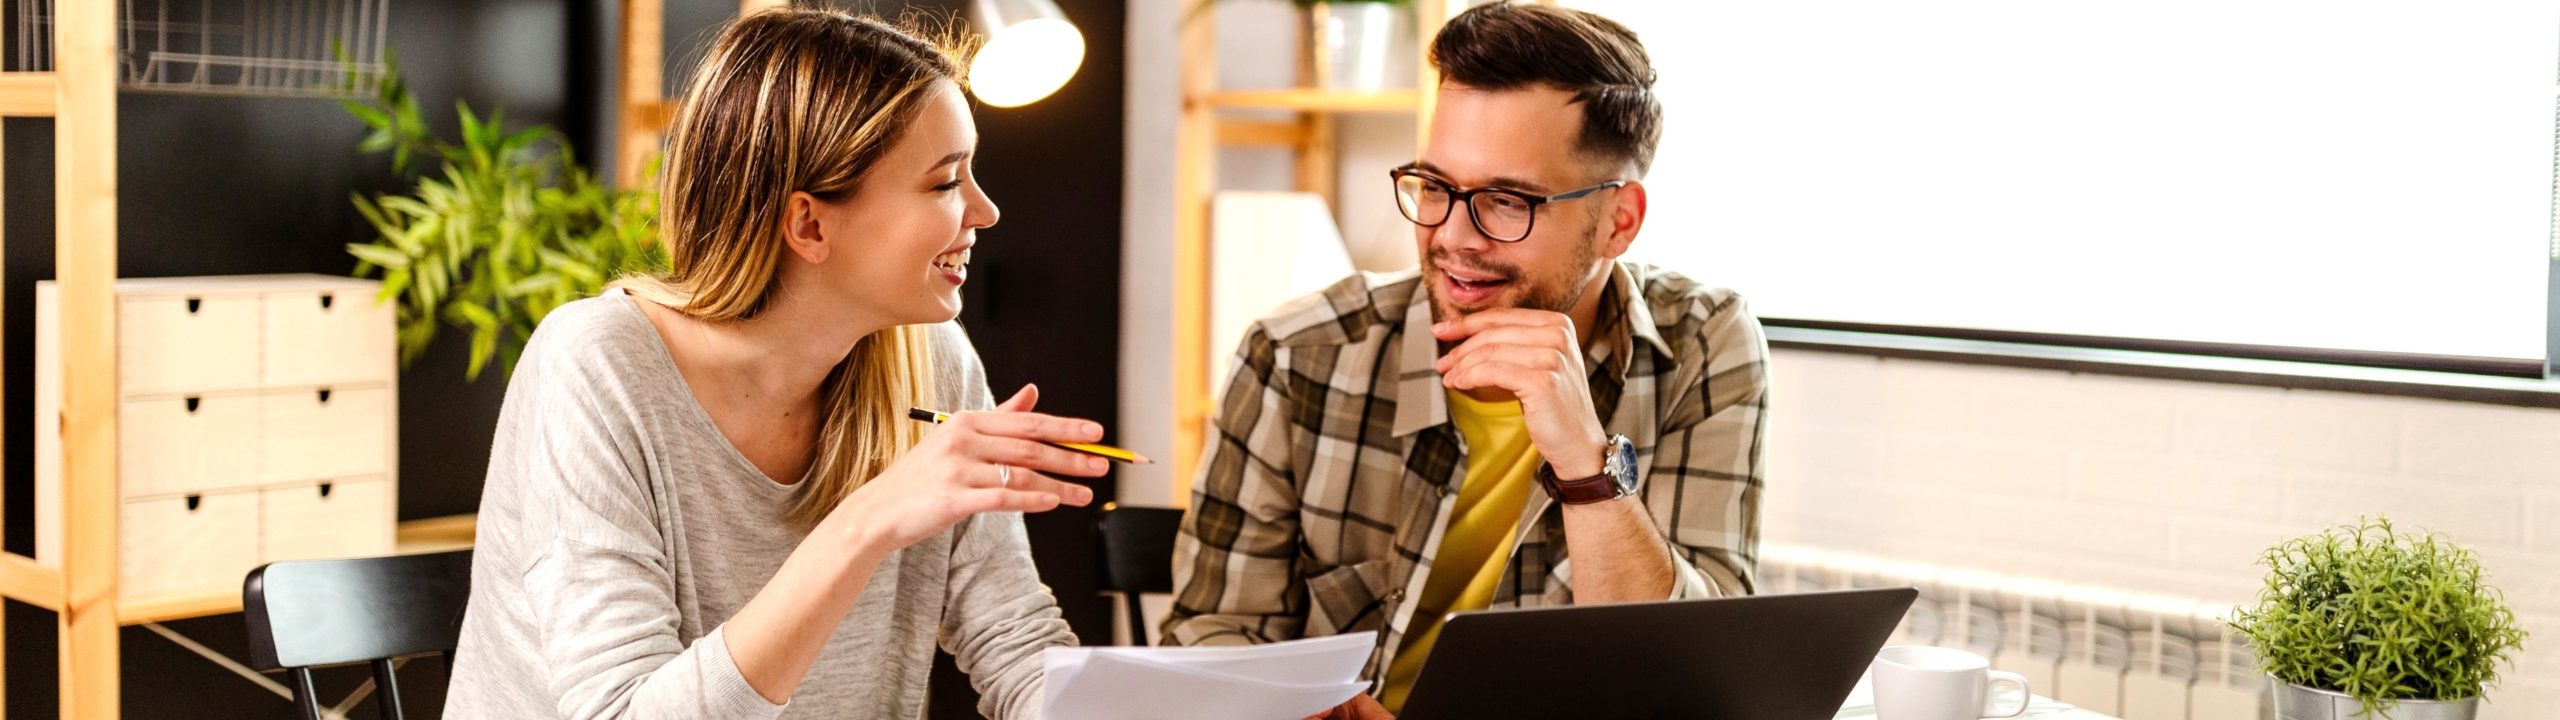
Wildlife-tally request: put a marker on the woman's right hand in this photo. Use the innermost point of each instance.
(993, 461)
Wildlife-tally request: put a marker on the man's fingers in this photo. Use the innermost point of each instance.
(1476, 351)
(1534, 358)
(1516, 379)
(1558, 338)
(1479, 321)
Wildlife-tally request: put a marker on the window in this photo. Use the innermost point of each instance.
(2341, 175)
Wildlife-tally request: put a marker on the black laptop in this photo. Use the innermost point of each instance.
(1775, 657)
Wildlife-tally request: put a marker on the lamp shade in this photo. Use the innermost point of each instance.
(1031, 49)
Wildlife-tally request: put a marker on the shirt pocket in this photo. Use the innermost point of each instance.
(1346, 599)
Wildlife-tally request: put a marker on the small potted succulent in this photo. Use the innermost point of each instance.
(2361, 621)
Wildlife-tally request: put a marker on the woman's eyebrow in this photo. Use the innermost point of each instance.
(948, 159)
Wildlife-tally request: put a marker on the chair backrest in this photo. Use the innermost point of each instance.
(317, 613)
(1137, 556)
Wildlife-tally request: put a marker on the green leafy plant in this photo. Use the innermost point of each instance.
(2379, 615)
(506, 229)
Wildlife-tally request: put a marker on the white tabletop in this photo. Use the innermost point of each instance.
(1861, 705)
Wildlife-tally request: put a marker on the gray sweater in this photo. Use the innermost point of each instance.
(619, 529)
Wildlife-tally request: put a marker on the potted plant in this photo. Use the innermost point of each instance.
(2361, 621)
(1352, 44)
(508, 228)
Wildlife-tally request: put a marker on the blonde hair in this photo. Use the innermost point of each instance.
(806, 100)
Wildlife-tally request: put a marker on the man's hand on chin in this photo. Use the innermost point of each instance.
(1359, 707)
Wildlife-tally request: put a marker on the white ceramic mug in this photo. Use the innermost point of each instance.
(1919, 682)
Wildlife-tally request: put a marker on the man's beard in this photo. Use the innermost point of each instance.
(1557, 290)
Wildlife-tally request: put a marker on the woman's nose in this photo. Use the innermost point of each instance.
(982, 209)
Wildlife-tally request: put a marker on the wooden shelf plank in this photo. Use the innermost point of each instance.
(26, 94)
(27, 581)
(1258, 132)
(437, 534)
(652, 116)
(136, 611)
(1303, 100)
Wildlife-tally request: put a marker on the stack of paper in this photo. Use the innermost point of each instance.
(1279, 681)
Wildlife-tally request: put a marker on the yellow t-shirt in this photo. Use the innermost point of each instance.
(1501, 470)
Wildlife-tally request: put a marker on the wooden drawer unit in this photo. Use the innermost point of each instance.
(187, 544)
(187, 444)
(326, 519)
(324, 433)
(186, 343)
(326, 336)
(256, 422)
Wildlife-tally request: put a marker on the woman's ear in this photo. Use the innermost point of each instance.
(801, 230)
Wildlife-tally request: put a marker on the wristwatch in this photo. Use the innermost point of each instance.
(1617, 476)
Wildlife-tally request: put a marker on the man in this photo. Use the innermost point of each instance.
(1524, 420)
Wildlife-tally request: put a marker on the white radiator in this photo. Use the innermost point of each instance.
(2131, 655)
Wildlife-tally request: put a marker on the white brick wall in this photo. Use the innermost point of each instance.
(2157, 485)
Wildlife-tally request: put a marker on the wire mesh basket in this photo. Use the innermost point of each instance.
(276, 48)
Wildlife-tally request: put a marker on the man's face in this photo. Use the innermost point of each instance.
(1523, 140)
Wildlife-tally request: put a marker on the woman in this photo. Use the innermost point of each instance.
(705, 498)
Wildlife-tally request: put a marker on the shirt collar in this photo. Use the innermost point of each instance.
(1630, 293)
(1419, 402)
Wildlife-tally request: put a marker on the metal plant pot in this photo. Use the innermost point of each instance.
(1353, 45)
(2295, 702)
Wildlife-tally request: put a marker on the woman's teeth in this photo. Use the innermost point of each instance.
(952, 261)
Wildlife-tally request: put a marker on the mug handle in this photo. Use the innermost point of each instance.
(1995, 678)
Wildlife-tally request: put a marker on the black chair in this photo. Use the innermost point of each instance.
(1137, 557)
(318, 613)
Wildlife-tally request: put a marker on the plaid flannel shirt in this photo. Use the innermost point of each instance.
(1327, 484)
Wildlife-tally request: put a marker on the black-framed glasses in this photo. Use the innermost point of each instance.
(1502, 214)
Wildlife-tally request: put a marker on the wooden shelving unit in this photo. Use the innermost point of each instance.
(1202, 131)
(80, 95)
(1317, 101)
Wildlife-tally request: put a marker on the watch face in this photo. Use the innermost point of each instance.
(1622, 463)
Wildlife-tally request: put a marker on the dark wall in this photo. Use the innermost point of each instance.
(228, 185)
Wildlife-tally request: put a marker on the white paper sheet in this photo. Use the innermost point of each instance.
(1279, 681)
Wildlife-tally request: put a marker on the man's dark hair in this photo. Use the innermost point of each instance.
(1509, 46)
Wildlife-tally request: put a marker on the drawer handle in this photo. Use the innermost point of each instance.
(194, 304)
(194, 501)
(325, 488)
(327, 299)
(192, 402)
(324, 396)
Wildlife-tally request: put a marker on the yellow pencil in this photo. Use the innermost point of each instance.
(1087, 448)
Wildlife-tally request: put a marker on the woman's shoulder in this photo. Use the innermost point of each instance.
(601, 338)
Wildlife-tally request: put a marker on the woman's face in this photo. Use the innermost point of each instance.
(898, 246)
